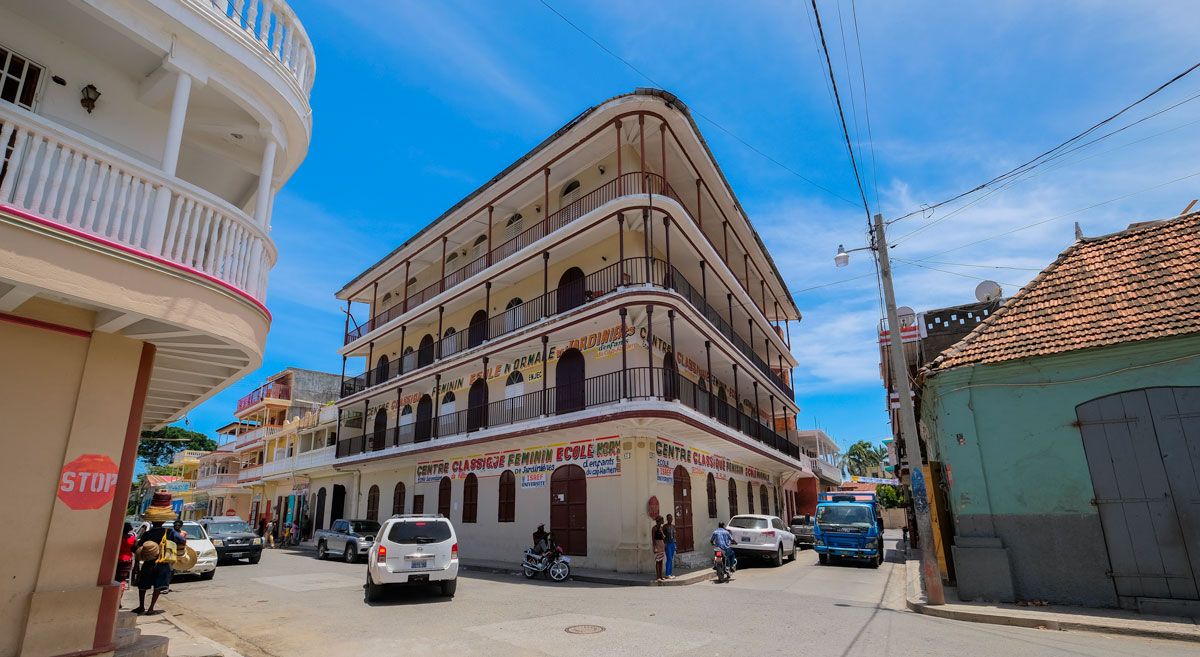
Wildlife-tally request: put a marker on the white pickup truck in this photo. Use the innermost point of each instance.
(349, 538)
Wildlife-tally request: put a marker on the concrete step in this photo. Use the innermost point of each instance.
(126, 619)
(694, 559)
(127, 636)
(146, 646)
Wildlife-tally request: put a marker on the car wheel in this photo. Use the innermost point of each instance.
(778, 559)
(256, 558)
(449, 587)
(350, 555)
(877, 561)
(374, 591)
(823, 558)
(793, 557)
(322, 551)
(209, 575)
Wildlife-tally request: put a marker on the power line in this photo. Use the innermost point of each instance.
(866, 105)
(947, 271)
(718, 126)
(963, 264)
(841, 114)
(1036, 161)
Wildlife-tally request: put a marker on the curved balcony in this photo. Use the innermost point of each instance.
(89, 188)
(270, 29)
(598, 284)
(603, 390)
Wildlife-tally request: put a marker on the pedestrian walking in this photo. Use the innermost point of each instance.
(158, 551)
(125, 556)
(669, 538)
(660, 547)
(270, 535)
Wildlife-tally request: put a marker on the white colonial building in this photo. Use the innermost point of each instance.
(141, 145)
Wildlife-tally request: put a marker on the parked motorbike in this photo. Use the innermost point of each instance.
(724, 564)
(552, 562)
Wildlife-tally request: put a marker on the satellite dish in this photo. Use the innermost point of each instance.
(988, 291)
(907, 316)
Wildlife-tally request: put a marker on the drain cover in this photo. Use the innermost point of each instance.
(584, 629)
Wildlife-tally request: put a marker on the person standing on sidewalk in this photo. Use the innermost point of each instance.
(660, 548)
(669, 537)
(269, 537)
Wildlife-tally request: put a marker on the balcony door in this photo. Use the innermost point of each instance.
(425, 351)
(569, 383)
(570, 289)
(477, 405)
(381, 370)
(379, 431)
(568, 509)
(670, 373)
(424, 419)
(683, 509)
(477, 331)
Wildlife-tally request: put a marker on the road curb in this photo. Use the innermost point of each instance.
(615, 579)
(916, 601)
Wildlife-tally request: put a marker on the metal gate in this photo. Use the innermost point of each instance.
(1143, 451)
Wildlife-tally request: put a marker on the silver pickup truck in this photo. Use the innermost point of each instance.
(349, 538)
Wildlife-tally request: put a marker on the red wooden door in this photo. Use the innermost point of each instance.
(683, 510)
(568, 509)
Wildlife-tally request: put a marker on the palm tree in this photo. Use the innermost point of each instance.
(861, 456)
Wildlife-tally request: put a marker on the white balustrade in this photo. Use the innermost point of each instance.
(316, 457)
(276, 30)
(251, 472)
(217, 481)
(84, 185)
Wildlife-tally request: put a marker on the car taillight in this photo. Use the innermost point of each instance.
(381, 554)
(454, 551)
(768, 533)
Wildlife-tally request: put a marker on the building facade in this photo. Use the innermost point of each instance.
(595, 336)
(1068, 424)
(141, 144)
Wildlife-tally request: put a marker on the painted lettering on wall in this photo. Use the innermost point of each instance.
(599, 457)
(669, 453)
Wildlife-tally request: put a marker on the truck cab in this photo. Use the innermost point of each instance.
(848, 525)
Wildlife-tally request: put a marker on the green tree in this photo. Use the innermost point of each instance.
(158, 448)
(891, 497)
(861, 457)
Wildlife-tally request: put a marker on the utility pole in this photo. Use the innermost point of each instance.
(908, 426)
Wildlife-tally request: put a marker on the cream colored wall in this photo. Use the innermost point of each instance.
(73, 394)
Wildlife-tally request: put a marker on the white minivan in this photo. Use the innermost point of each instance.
(413, 549)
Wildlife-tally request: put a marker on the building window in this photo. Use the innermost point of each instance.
(512, 314)
(749, 497)
(512, 227)
(470, 498)
(508, 497)
(764, 500)
(444, 497)
(447, 404)
(373, 504)
(479, 248)
(19, 79)
(398, 499)
(712, 496)
(733, 507)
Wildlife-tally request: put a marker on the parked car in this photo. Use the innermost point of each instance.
(802, 528)
(761, 536)
(411, 550)
(206, 552)
(850, 526)
(233, 539)
(349, 538)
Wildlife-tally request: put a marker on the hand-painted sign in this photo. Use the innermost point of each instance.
(669, 453)
(178, 486)
(874, 480)
(599, 457)
(88, 482)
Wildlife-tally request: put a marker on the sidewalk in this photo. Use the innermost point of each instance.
(184, 641)
(1052, 617)
(683, 577)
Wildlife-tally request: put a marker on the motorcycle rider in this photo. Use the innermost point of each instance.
(541, 540)
(722, 540)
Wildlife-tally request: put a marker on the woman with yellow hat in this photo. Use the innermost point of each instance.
(158, 551)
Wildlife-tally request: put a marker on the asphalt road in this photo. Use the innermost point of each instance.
(292, 605)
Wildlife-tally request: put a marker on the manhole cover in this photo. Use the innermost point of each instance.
(585, 629)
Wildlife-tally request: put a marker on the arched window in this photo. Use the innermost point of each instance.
(479, 248)
(398, 499)
(670, 383)
(406, 415)
(507, 511)
(569, 378)
(477, 405)
(477, 329)
(733, 504)
(425, 351)
(512, 227)
(763, 500)
(749, 497)
(711, 485)
(447, 407)
(570, 187)
(452, 263)
(570, 291)
(514, 396)
(512, 314)
(450, 345)
(373, 503)
(444, 497)
(470, 505)
(381, 370)
(424, 427)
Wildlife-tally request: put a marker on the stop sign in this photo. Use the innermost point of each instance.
(88, 482)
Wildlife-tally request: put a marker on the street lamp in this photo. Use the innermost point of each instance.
(908, 423)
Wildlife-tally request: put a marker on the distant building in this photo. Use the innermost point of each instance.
(1068, 425)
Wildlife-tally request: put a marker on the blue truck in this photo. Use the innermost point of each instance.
(848, 525)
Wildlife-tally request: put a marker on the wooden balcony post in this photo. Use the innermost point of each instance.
(347, 330)
(342, 385)
(757, 412)
(488, 261)
(725, 237)
(487, 308)
(438, 341)
(736, 392)
(484, 410)
(674, 355)
(374, 306)
(400, 367)
(729, 300)
(762, 284)
(650, 345)
(642, 147)
(366, 404)
(442, 285)
(646, 229)
(704, 281)
(437, 404)
(708, 375)
(546, 203)
(773, 414)
(545, 356)
(621, 248)
(545, 283)
(406, 279)
(396, 435)
(624, 358)
(617, 124)
(662, 141)
(370, 363)
(670, 282)
(699, 208)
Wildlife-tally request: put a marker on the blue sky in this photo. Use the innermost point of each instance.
(418, 103)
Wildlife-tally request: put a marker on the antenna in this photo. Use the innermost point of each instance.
(988, 291)
(907, 316)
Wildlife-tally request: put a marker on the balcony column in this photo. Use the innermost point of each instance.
(342, 386)
(725, 238)
(546, 200)
(545, 284)
(624, 360)
(650, 345)
(487, 308)
(621, 248)
(750, 324)
(438, 342)
(374, 306)
(670, 270)
(704, 282)
(762, 284)
(617, 125)
(489, 253)
(400, 366)
(366, 404)
(699, 208)
(662, 145)
(370, 363)
(396, 435)
(266, 174)
(642, 147)
(729, 301)
(346, 332)
(787, 327)
(674, 354)
(406, 279)
(437, 403)
(170, 160)
(736, 390)
(767, 343)
(757, 412)
(746, 266)
(773, 414)
(708, 375)
(484, 419)
(442, 284)
(545, 343)
(646, 229)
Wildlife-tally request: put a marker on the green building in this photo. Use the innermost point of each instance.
(1068, 427)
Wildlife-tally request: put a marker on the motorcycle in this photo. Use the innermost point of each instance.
(724, 564)
(552, 562)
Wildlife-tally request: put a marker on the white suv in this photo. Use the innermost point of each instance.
(413, 549)
(762, 536)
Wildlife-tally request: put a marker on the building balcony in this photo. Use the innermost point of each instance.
(593, 287)
(251, 472)
(277, 390)
(82, 186)
(270, 30)
(316, 458)
(609, 389)
(227, 480)
(187, 457)
(255, 435)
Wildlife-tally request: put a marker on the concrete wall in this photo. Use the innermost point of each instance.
(1020, 479)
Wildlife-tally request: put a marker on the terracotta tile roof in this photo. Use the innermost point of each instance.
(1139, 284)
